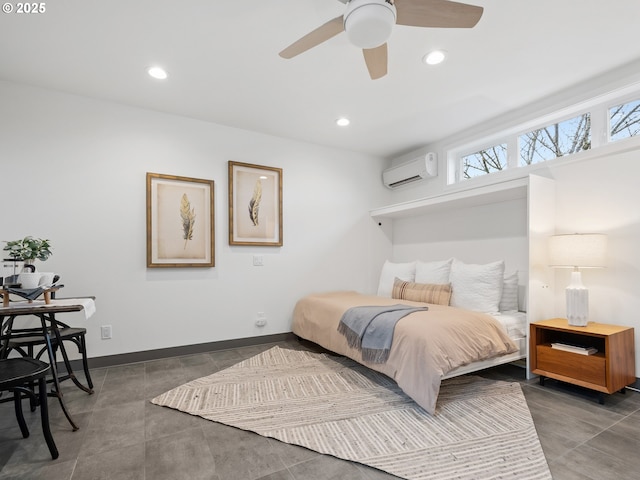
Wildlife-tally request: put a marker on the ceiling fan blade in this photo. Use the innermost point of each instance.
(437, 13)
(376, 59)
(316, 37)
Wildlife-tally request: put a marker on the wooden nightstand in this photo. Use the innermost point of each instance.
(607, 371)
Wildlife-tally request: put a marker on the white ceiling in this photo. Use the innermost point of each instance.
(222, 58)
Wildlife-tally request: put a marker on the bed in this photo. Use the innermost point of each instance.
(428, 346)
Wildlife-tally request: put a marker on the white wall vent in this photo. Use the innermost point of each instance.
(412, 171)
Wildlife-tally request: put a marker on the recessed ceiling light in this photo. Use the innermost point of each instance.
(435, 57)
(157, 72)
(343, 122)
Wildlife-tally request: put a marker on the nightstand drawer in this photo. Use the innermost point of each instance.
(587, 368)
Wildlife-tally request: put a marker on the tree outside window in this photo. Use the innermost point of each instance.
(485, 161)
(624, 120)
(557, 140)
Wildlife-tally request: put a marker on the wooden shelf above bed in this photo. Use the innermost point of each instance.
(499, 192)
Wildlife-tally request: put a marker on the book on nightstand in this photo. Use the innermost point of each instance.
(574, 348)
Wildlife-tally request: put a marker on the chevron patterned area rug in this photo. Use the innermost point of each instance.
(482, 428)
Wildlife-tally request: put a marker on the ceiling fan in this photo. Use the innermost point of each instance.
(368, 24)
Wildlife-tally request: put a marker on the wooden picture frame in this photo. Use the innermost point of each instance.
(180, 221)
(255, 205)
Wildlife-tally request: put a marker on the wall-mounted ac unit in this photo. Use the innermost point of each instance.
(412, 171)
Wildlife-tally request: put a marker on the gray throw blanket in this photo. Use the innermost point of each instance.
(28, 293)
(370, 329)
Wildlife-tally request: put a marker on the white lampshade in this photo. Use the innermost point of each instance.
(583, 250)
(368, 23)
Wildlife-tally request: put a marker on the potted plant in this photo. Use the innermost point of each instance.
(28, 249)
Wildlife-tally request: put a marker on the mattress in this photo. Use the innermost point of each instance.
(514, 323)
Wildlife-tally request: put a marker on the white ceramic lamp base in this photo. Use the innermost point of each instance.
(577, 302)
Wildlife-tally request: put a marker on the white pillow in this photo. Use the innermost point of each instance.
(433, 272)
(390, 270)
(509, 299)
(476, 287)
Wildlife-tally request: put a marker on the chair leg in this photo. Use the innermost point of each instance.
(44, 416)
(17, 401)
(32, 399)
(56, 382)
(85, 362)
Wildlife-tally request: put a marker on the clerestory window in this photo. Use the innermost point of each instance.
(516, 147)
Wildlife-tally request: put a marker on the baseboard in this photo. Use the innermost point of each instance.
(160, 353)
(635, 386)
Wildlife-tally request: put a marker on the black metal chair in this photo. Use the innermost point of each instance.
(16, 374)
(24, 341)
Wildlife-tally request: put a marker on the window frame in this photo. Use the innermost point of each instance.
(598, 107)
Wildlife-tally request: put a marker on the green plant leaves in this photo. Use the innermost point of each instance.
(29, 248)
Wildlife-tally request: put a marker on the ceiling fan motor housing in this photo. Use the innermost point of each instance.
(368, 23)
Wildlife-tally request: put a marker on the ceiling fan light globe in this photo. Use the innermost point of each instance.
(369, 23)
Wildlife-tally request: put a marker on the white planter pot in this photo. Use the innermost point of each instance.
(29, 280)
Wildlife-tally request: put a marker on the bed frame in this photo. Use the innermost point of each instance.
(521, 354)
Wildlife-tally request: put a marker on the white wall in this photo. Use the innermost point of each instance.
(481, 234)
(73, 170)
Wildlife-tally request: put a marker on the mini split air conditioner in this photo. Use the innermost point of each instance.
(411, 171)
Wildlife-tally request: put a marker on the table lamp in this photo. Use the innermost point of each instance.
(577, 250)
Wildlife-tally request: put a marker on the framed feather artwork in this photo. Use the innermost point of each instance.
(180, 227)
(255, 205)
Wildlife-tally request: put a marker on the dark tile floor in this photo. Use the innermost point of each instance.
(123, 436)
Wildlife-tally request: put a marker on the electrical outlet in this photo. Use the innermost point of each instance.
(261, 319)
(105, 332)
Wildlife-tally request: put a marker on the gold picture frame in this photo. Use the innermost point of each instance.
(180, 221)
(255, 205)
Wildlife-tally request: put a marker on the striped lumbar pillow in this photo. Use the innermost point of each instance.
(435, 293)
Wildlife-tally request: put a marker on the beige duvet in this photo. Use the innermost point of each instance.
(426, 344)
